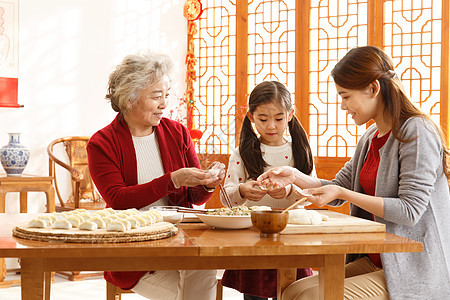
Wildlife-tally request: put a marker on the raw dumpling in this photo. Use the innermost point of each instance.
(141, 220)
(107, 220)
(149, 219)
(126, 223)
(37, 223)
(132, 211)
(155, 213)
(134, 222)
(101, 213)
(116, 226)
(304, 217)
(62, 224)
(88, 225)
(75, 220)
(47, 218)
(85, 215)
(100, 223)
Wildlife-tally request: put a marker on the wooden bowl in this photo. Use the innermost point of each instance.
(270, 222)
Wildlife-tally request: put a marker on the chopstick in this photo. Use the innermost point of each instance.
(225, 196)
(295, 204)
(191, 210)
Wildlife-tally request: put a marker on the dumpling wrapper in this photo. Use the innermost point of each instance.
(62, 224)
(88, 225)
(37, 223)
(116, 226)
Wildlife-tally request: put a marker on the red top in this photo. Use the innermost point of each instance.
(368, 177)
(113, 168)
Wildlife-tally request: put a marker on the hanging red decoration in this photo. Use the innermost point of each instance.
(192, 10)
(195, 134)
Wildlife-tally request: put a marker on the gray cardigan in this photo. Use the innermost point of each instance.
(416, 206)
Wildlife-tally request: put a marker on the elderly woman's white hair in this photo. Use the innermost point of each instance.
(135, 73)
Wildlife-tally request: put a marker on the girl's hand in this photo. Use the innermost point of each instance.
(193, 177)
(324, 194)
(277, 177)
(279, 193)
(251, 191)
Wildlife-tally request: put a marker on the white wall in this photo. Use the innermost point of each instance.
(67, 50)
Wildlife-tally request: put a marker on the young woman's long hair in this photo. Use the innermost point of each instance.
(363, 65)
(249, 144)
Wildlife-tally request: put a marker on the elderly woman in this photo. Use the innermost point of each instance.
(142, 159)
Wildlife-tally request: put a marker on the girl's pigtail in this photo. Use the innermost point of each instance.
(250, 150)
(301, 150)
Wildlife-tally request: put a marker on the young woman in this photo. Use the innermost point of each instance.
(398, 176)
(142, 159)
(270, 110)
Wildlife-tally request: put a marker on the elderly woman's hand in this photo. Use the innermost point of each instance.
(193, 177)
(218, 169)
(277, 177)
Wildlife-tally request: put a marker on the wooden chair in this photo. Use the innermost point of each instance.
(115, 293)
(82, 184)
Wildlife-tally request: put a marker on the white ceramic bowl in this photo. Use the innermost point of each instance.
(171, 216)
(226, 222)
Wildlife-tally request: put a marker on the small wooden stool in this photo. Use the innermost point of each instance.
(23, 184)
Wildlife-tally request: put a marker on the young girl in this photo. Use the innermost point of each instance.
(398, 175)
(270, 110)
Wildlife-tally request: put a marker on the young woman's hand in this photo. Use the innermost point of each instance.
(277, 177)
(193, 177)
(251, 191)
(324, 194)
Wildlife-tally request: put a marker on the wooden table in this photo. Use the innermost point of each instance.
(197, 246)
(24, 184)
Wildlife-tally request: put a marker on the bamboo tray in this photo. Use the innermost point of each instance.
(155, 231)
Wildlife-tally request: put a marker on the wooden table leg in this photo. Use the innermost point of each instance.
(23, 202)
(285, 278)
(331, 277)
(50, 193)
(2, 200)
(32, 275)
(48, 284)
(2, 269)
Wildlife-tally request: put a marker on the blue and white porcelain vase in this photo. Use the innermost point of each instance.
(14, 156)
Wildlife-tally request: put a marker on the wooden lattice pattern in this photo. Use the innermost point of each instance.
(240, 44)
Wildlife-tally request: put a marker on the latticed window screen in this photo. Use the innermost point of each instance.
(413, 39)
(233, 58)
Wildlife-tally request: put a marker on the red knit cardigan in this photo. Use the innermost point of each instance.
(113, 168)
